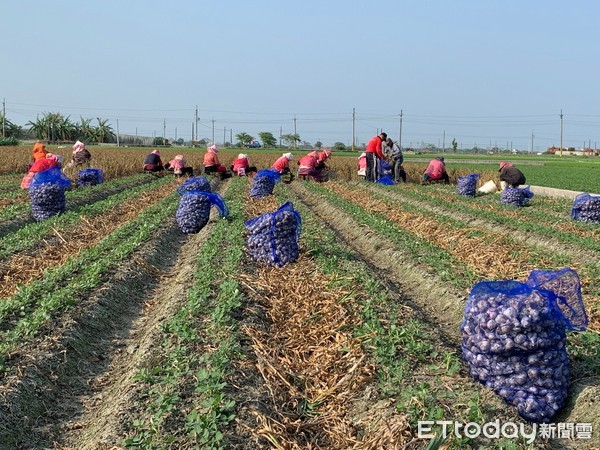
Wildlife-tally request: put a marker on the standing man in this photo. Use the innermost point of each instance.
(374, 154)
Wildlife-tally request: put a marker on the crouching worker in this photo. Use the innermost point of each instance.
(49, 161)
(436, 170)
(212, 164)
(510, 175)
(362, 165)
(241, 166)
(282, 165)
(179, 167)
(153, 163)
(81, 156)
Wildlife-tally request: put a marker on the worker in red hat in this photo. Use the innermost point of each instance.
(511, 175)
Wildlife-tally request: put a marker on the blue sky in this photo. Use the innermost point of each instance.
(485, 72)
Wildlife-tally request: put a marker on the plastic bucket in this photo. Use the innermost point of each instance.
(489, 187)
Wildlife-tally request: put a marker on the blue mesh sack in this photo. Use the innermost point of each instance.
(193, 210)
(264, 182)
(514, 339)
(586, 208)
(273, 237)
(384, 167)
(516, 196)
(89, 177)
(567, 302)
(467, 185)
(386, 179)
(47, 193)
(195, 184)
(52, 175)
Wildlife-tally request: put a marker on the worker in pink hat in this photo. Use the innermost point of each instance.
(153, 163)
(212, 164)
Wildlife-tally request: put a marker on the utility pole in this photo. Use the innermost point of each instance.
(400, 134)
(444, 143)
(561, 132)
(164, 131)
(532, 136)
(224, 131)
(196, 122)
(280, 133)
(213, 131)
(118, 133)
(231, 136)
(3, 117)
(353, 127)
(294, 131)
(175, 134)
(192, 143)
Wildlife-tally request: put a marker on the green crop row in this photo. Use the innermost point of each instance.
(539, 224)
(31, 234)
(78, 195)
(439, 260)
(61, 286)
(205, 320)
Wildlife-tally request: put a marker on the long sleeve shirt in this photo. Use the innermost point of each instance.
(374, 146)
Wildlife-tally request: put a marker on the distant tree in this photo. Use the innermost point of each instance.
(243, 139)
(454, 145)
(158, 141)
(10, 129)
(52, 127)
(268, 140)
(104, 131)
(291, 139)
(339, 146)
(179, 141)
(203, 141)
(318, 144)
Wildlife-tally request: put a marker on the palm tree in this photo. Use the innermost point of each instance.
(104, 130)
(85, 130)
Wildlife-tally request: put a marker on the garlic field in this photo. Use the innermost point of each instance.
(120, 331)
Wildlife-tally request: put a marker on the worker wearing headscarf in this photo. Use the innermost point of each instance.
(47, 162)
(241, 166)
(153, 163)
(307, 165)
(282, 164)
(212, 164)
(362, 165)
(511, 175)
(436, 170)
(39, 151)
(80, 155)
(180, 167)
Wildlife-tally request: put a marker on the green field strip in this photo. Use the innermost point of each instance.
(13, 193)
(40, 301)
(537, 212)
(76, 196)
(404, 351)
(539, 204)
(383, 194)
(440, 261)
(28, 236)
(498, 218)
(537, 256)
(204, 320)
